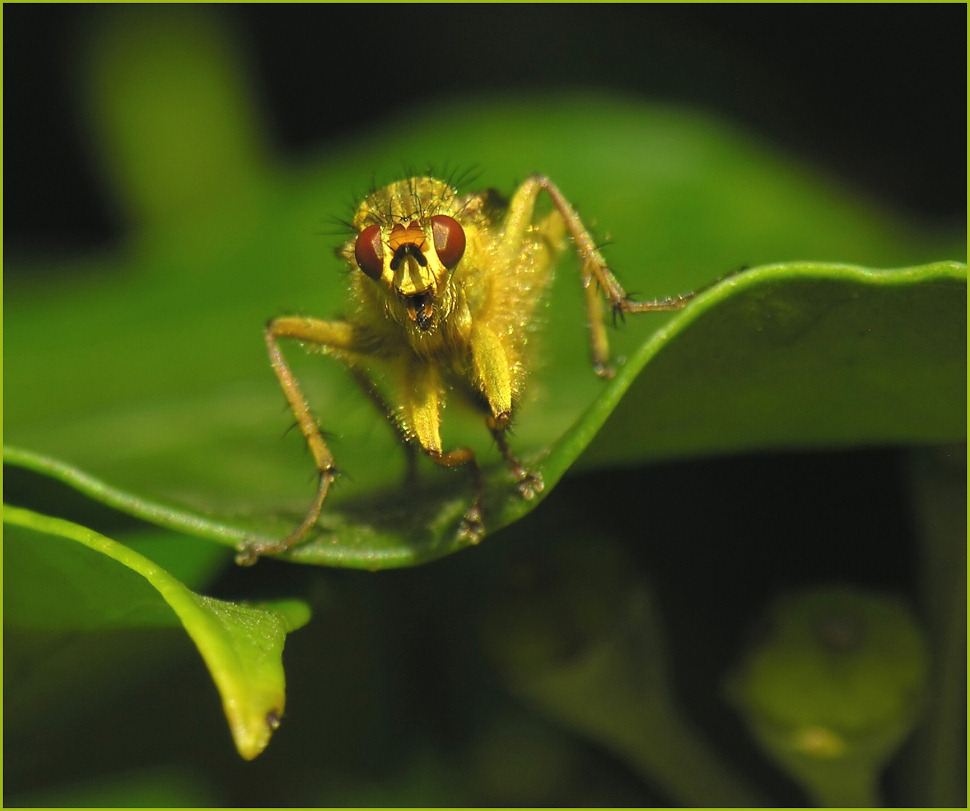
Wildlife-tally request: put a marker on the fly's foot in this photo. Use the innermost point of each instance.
(604, 370)
(529, 484)
(472, 528)
(248, 552)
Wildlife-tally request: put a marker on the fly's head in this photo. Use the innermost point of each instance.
(409, 241)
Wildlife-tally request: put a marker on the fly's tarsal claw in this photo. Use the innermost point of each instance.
(247, 553)
(529, 484)
(472, 527)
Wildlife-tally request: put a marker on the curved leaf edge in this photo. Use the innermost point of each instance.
(585, 428)
(349, 546)
(229, 636)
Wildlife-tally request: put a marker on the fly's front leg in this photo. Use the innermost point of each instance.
(421, 396)
(528, 482)
(494, 378)
(595, 272)
(333, 335)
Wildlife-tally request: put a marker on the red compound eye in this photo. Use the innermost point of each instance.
(369, 252)
(449, 240)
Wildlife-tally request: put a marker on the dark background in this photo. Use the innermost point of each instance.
(873, 94)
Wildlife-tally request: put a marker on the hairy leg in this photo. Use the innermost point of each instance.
(332, 335)
(595, 272)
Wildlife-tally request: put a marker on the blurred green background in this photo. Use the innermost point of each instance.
(874, 99)
(402, 690)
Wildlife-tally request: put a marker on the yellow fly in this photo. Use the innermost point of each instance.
(444, 287)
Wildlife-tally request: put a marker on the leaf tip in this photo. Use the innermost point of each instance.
(251, 733)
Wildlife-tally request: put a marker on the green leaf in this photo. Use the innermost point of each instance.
(63, 577)
(800, 356)
(784, 356)
(141, 375)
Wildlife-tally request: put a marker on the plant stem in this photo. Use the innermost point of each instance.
(936, 772)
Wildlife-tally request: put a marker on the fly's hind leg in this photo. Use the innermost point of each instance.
(595, 272)
(374, 394)
(336, 336)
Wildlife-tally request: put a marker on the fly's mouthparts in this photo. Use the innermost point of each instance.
(419, 307)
